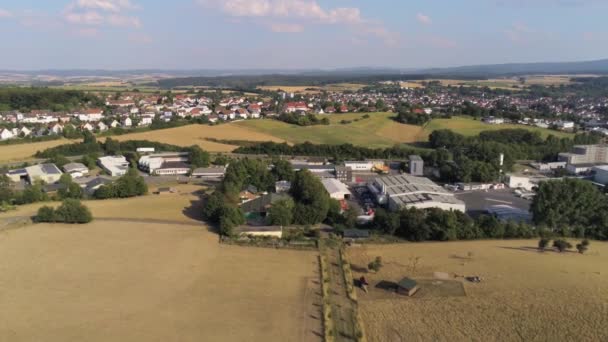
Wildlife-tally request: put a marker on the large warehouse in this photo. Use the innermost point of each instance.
(404, 191)
(336, 189)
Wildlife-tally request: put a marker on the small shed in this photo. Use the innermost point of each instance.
(407, 287)
(165, 191)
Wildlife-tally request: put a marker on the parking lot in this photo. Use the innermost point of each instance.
(478, 201)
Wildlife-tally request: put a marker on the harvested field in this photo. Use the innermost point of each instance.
(145, 281)
(524, 295)
(19, 152)
(196, 135)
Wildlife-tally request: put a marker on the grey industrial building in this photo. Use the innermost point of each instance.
(405, 191)
(586, 154)
(416, 166)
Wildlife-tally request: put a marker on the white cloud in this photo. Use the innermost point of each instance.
(301, 12)
(101, 12)
(5, 13)
(289, 28)
(423, 19)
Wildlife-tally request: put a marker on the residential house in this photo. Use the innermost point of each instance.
(294, 107)
(87, 127)
(127, 122)
(55, 128)
(6, 134)
(102, 127)
(114, 124)
(91, 115)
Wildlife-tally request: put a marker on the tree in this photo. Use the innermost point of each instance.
(386, 221)
(70, 211)
(6, 192)
(583, 246)
(375, 265)
(350, 217)
(542, 244)
(312, 200)
(112, 147)
(281, 212)
(32, 194)
(561, 245)
(572, 203)
(230, 218)
(69, 189)
(45, 214)
(283, 170)
(198, 157)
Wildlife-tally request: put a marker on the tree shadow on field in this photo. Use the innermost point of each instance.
(358, 268)
(195, 212)
(536, 250)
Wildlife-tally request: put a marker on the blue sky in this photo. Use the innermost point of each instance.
(187, 34)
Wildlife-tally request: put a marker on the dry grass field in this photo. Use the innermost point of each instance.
(524, 295)
(511, 83)
(114, 280)
(196, 134)
(19, 152)
(315, 89)
(178, 207)
(377, 131)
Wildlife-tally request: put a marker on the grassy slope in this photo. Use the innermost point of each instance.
(470, 127)
(376, 131)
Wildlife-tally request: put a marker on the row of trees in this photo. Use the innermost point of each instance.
(440, 225)
(70, 211)
(302, 120)
(25, 99)
(571, 207)
(467, 159)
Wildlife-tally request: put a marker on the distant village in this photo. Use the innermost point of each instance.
(136, 110)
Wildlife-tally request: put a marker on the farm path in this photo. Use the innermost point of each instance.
(344, 314)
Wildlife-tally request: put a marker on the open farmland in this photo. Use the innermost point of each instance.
(196, 135)
(510, 83)
(524, 295)
(337, 87)
(19, 152)
(117, 279)
(376, 131)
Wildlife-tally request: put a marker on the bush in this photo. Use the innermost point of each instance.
(375, 265)
(583, 246)
(70, 211)
(562, 245)
(543, 243)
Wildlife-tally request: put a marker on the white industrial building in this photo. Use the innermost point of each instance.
(336, 189)
(162, 164)
(115, 166)
(404, 191)
(360, 165)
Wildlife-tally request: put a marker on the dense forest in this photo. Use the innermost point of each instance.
(26, 99)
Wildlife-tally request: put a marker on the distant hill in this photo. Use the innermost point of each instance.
(588, 67)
